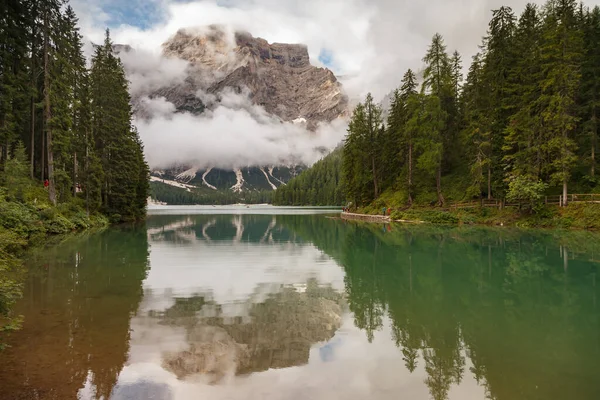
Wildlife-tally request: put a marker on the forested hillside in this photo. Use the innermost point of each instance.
(74, 122)
(523, 124)
(69, 155)
(203, 196)
(318, 186)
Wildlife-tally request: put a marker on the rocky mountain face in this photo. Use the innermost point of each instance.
(278, 77)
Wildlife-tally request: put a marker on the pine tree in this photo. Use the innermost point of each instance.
(498, 62)
(429, 118)
(13, 73)
(590, 85)
(116, 142)
(477, 128)
(562, 50)
(435, 108)
(523, 138)
(408, 98)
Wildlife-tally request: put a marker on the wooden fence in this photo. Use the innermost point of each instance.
(556, 199)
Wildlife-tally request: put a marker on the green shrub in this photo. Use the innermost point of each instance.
(56, 224)
(19, 218)
(440, 218)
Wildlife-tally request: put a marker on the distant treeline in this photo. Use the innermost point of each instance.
(318, 186)
(179, 196)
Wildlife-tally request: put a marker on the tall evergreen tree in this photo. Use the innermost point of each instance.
(590, 87)
(562, 51)
(117, 144)
(523, 138)
(498, 62)
(477, 128)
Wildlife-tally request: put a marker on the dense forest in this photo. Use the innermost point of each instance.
(72, 122)
(178, 196)
(318, 186)
(69, 155)
(523, 124)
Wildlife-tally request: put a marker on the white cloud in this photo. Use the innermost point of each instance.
(234, 134)
(148, 71)
(372, 43)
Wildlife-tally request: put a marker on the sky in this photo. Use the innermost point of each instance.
(368, 44)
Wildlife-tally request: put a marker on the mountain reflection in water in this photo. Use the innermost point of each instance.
(301, 306)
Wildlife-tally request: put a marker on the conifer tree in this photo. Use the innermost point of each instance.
(523, 138)
(562, 50)
(435, 106)
(498, 62)
(409, 130)
(116, 142)
(477, 128)
(590, 85)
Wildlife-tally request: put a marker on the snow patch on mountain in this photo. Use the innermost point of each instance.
(188, 176)
(204, 175)
(239, 186)
(173, 183)
(271, 169)
(268, 180)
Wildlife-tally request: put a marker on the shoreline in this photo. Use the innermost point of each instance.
(574, 217)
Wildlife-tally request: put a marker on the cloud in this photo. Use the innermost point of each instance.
(372, 42)
(233, 134)
(369, 44)
(148, 71)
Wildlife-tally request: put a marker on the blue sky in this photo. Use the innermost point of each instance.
(138, 13)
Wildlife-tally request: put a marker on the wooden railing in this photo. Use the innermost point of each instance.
(554, 199)
(583, 198)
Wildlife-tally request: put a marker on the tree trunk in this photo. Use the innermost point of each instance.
(438, 184)
(374, 176)
(410, 148)
(74, 174)
(489, 182)
(565, 194)
(47, 116)
(87, 173)
(32, 144)
(32, 100)
(593, 169)
(43, 169)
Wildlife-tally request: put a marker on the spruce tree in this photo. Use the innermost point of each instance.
(116, 142)
(409, 129)
(498, 61)
(562, 51)
(590, 85)
(523, 138)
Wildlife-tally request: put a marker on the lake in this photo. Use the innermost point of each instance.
(281, 303)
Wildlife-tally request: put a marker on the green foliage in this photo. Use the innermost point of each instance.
(522, 126)
(429, 216)
(178, 196)
(527, 189)
(320, 185)
(362, 153)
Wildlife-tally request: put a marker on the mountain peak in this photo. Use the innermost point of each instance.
(278, 76)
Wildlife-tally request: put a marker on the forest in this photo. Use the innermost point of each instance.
(317, 186)
(521, 125)
(70, 158)
(179, 196)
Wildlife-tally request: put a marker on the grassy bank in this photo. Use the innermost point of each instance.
(575, 216)
(27, 218)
